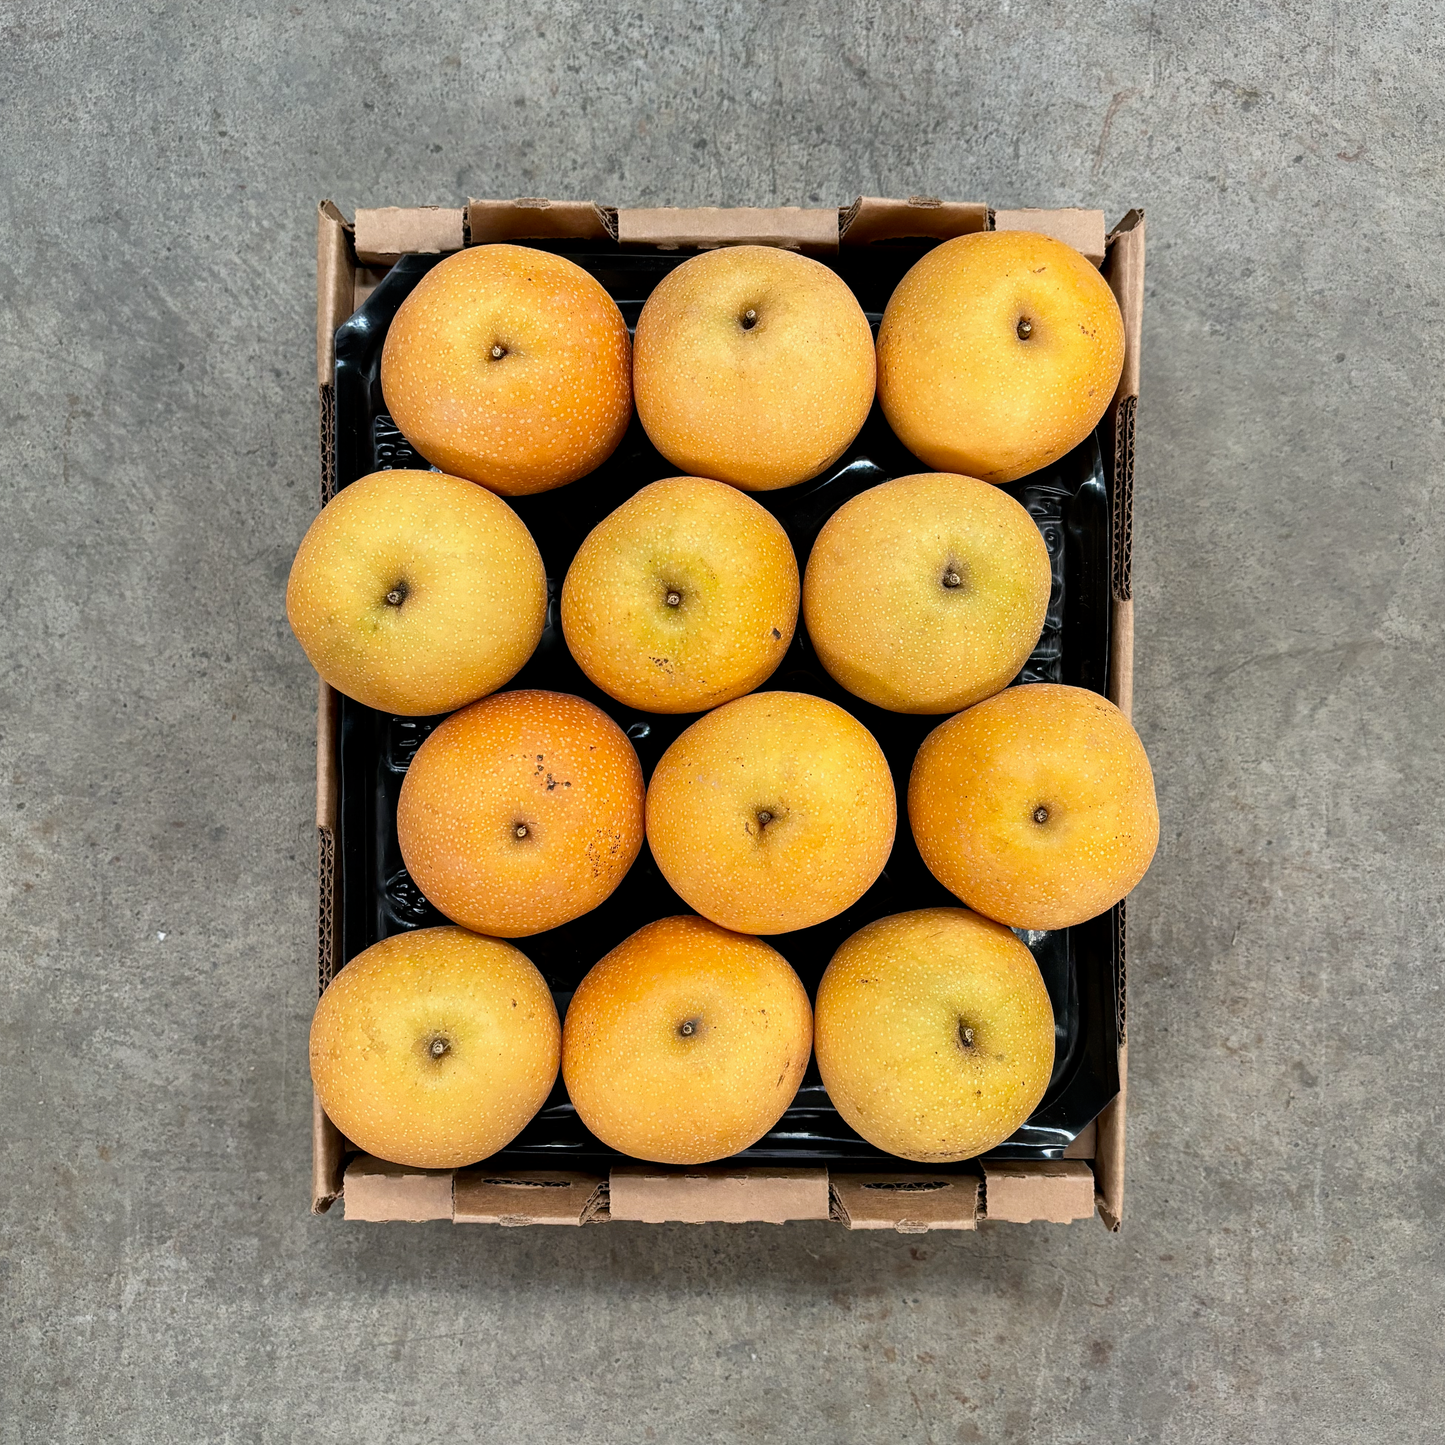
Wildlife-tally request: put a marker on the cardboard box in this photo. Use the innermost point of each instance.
(351, 258)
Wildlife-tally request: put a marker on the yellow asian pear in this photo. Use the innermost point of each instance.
(435, 1048)
(773, 812)
(416, 592)
(754, 366)
(509, 366)
(927, 593)
(521, 812)
(934, 1034)
(683, 598)
(686, 1043)
(998, 353)
(1036, 807)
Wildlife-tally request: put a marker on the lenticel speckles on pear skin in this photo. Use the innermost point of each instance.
(511, 367)
(521, 812)
(683, 598)
(686, 1043)
(1037, 807)
(753, 366)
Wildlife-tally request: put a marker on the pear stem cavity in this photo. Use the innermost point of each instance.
(749, 319)
(1025, 328)
(965, 1035)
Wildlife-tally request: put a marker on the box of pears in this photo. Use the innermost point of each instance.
(726, 793)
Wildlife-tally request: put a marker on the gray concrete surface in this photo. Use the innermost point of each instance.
(1279, 1275)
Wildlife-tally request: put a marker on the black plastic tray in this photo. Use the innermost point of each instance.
(1069, 502)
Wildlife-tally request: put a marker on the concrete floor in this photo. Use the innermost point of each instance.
(1279, 1274)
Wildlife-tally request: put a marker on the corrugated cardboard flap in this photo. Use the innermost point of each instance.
(650, 1194)
(1083, 230)
(534, 218)
(1124, 271)
(1109, 1160)
(533, 1196)
(1054, 1191)
(389, 232)
(376, 1190)
(1121, 656)
(792, 228)
(335, 275)
(328, 892)
(909, 1203)
(328, 1151)
(1125, 274)
(873, 218)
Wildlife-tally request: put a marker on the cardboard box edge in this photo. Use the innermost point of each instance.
(383, 234)
(651, 1194)
(1126, 245)
(535, 218)
(871, 219)
(584, 1194)
(800, 228)
(1078, 226)
(1109, 1152)
(1027, 1191)
(328, 1153)
(375, 1191)
(1124, 270)
(853, 1208)
(335, 277)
